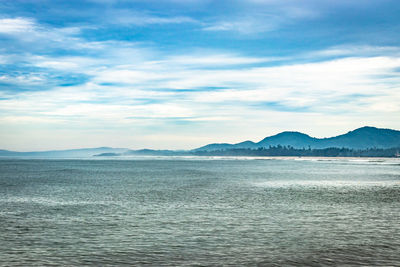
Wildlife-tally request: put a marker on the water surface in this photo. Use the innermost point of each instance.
(194, 211)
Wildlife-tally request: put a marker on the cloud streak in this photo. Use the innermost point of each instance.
(16, 25)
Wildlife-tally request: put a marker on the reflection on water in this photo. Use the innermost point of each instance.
(191, 211)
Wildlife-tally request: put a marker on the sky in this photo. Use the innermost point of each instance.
(179, 74)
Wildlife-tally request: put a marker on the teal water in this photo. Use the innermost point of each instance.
(199, 212)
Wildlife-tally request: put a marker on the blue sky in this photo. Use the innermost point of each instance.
(180, 74)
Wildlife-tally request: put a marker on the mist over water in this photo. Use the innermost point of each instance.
(199, 212)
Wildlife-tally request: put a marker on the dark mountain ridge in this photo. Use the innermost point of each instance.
(361, 138)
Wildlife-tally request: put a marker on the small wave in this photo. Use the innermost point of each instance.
(315, 183)
(52, 202)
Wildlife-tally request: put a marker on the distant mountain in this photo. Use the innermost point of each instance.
(70, 153)
(365, 137)
(294, 139)
(361, 138)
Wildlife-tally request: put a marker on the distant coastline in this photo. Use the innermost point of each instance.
(278, 151)
(362, 142)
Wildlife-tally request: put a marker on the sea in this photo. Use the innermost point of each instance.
(200, 211)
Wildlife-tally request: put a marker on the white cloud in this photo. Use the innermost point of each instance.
(257, 17)
(129, 18)
(244, 25)
(351, 50)
(214, 59)
(30, 79)
(127, 76)
(141, 20)
(311, 85)
(16, 25)
(33, 36)
(316, 86)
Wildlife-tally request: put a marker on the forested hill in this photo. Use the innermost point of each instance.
(303, 152)
(361, 138)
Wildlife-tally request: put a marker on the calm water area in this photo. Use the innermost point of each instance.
(199, 212)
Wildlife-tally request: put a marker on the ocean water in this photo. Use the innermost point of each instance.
(199, 211)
